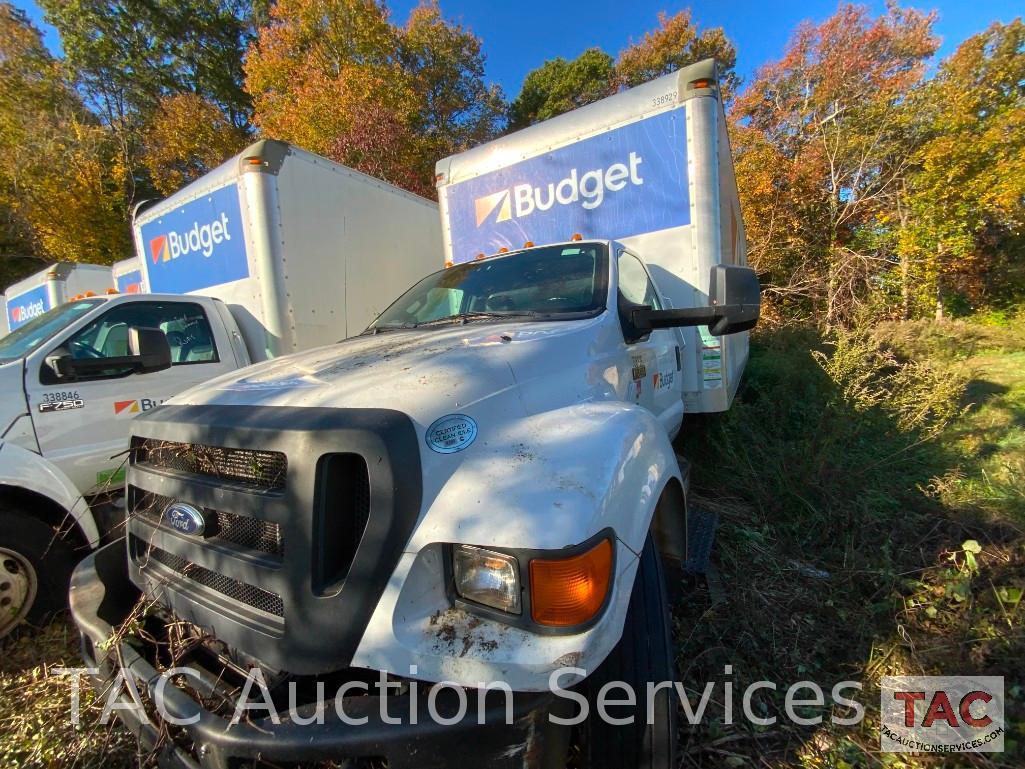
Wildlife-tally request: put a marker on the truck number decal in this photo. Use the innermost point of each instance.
(58, 397)
(666, 98)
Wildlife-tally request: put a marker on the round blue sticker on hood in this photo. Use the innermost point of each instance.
(451, 433)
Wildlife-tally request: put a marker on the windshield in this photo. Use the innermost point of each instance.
(24, 339)
(550, 283)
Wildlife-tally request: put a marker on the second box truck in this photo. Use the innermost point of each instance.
(275, 251)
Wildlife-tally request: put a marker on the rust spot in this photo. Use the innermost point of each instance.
(568, 660)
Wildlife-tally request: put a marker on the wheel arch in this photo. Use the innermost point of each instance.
(32, 484)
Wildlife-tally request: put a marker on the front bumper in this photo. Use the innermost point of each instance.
(102, 597)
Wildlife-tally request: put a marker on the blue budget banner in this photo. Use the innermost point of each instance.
(130, 282)
(198, 245)
(623, 182)
(24, 307)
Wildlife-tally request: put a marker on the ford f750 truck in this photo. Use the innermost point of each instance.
(478, 492)
(275, 251)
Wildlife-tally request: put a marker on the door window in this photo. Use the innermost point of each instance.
(185, 325)
(634, 283)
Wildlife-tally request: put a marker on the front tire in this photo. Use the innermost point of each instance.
(644, 654)
(35, 571)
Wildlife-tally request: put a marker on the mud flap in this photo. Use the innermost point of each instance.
(701, 526)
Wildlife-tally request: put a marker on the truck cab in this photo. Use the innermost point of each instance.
(64, 423)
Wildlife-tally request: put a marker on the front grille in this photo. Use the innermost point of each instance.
(258, 598)
(253, 468)
(241, 530)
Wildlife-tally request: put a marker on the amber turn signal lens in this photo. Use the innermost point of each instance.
(570, 591)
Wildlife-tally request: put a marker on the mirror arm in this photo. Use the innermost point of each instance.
(647, 319)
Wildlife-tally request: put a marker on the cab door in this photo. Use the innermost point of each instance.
(657, 383)
(82, 423)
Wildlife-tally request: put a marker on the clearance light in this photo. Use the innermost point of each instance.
(486, 577)
(703, 83)
(577, 236)
(89, 293)
(570, 591)
(529, 244)
(111, 291)
(478, 257)
(255, 161)
(503, 250)
(448, 263)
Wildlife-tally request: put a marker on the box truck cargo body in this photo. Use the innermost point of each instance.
(304, 251)
(650, 168)
(128, 277)
(49, 288)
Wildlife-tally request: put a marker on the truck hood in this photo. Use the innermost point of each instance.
(12, 385)
(423, 372)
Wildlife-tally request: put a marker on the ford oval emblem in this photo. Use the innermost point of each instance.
(185, 518)
(451, 433)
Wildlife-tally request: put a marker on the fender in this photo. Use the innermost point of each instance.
(22, 469)
(548, 481)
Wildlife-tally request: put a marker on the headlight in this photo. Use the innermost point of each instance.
(486, 577)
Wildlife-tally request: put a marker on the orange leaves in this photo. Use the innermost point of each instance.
(187, 136)
(337, 78)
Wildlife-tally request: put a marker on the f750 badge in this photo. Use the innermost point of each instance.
(67, 405)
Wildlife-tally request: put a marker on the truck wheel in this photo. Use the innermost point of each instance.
(35, 570)
(643, 654)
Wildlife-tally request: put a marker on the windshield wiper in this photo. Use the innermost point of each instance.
(466, 317)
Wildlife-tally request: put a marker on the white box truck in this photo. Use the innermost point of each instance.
(651, 168)
(51, 287)
(480, 490)
(275, 251)
(302, 250)
(128, 277)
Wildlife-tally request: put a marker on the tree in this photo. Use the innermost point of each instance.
(61, 183)
(186, 137)
(559, 86)
(674, 44)
(967, 192)
(128, 54)
(447, 66)
(834, 112)
(336, 77)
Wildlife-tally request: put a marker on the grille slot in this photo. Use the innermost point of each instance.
(258, 598)
(342, 509)
(252, 468)
(242, 530)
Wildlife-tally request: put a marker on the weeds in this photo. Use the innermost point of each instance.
(860, 535)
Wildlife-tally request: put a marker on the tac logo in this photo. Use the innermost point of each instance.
(588, 189)
(200, 238)
(942, 714)
(135, 406)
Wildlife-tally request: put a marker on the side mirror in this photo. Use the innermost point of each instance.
(733, 305)
(148, 351)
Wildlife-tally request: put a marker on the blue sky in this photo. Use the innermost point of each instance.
(519, 36)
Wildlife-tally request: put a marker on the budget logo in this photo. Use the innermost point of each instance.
(27, 312)
(134, 406)
(158, 249)
(588, 189)
(942, 714)
(200, 238)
